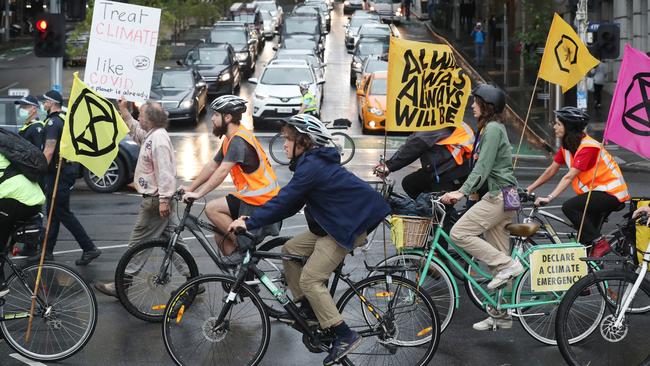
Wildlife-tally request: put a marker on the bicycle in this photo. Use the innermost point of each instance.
(65, 314)
(148, 273)
(609, 297)
(342, 142)
(228, 324)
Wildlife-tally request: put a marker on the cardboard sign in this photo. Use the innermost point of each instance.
(556, 269)
(122, 50)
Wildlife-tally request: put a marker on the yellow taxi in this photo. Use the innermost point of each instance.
(371, 101)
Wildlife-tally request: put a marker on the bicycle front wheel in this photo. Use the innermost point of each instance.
(194, 337)
(345, 145)
(64, 317)
(276, 149)
(398, 321)
(609, 344)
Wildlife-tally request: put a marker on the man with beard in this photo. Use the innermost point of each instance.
(241, 156)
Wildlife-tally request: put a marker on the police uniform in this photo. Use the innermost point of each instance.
(309, 101)
(34, 133)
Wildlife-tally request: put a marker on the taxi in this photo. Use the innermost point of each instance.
(371, 101)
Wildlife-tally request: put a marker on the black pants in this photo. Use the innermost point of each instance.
(12, 211)
(600, 204)
(421, 181)
(598, 93)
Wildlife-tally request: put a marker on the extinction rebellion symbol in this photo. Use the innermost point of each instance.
(636, 115)
(566, 53)
(100, 132)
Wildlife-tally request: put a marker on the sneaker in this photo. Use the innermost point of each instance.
(106, 288)
(493, 323)
(504, 275)
(599, 248)
(341, 347)
(88, 257)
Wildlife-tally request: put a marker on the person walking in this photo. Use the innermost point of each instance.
(600, 73)
(478, 35)
(406, 9)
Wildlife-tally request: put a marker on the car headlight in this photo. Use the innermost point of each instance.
(261, 96)
(372, 124)
(356, 65)
(376, 111)
(186, 104)
(241, 56)
(346, 3)
(372, 8)
(398, 12)
(224, 76)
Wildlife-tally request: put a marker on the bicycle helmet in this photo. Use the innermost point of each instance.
(304, 85)
(573, 117)
(230, 104)
(491, 95)
(311, 126)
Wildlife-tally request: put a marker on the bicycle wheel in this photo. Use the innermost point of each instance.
(276, 149)
(407, 331)
(539, 320)
(274, 270)
(62, 323)
(141, 288)
(192, 335)
(437, 283)
(345, 145)
(584, 304)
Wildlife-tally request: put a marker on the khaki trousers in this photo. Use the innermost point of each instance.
(488, 218)
(310, 281)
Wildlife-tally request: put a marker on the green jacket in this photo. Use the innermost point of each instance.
(309, 101)
(494, 163)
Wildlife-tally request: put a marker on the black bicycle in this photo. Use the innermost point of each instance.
(220, 319)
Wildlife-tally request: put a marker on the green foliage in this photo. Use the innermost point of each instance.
(539, 15)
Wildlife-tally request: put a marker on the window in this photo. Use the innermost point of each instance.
(286, 76)
(301, 26)
(172, 79)
(208, 56)
(232, 36)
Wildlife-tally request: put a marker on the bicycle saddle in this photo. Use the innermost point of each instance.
(523, 230)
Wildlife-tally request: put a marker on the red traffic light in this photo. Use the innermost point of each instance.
(41, 25)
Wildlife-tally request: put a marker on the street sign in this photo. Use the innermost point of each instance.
(18, 92)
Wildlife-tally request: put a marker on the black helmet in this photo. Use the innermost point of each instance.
(230, 104)
(573, 117)
(491, 95)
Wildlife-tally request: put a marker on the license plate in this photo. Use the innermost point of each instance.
(285, 110)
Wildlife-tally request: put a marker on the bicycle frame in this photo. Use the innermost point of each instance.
(631, 293)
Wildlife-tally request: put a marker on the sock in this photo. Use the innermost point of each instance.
(342, 330)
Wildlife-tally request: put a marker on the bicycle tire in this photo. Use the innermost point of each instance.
(426, 344)
(156, 296)
(194, 319)
(438, 283)
(607, 351)
(348, 149)
(276, 150)
(56, 279)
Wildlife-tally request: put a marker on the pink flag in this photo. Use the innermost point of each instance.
(628, 123)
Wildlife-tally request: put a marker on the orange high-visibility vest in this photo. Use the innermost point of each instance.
(460, 143)
(258, 187)
(609, 178)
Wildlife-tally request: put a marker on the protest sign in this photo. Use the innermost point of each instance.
(556, 269)
(122, 50)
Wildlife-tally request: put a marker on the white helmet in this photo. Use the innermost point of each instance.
(230, 104)
(304, 85)
(311, 126)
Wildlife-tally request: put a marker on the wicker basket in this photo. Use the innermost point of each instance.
(416, 230)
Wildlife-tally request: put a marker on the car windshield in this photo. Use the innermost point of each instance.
(232, 36)
(244, 17)
(208, 56)
(379, 31)
(376, 65)
(300, 26)
(267, 6)
(298, 43)
(359, 21)
(286, 76)
(305, 10)
(172, 79)
(371, 48)
(311, 59)
(266, 15)
(378, 87)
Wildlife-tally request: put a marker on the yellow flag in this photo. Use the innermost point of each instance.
(427, 90)
(566, 59)
(93, 129)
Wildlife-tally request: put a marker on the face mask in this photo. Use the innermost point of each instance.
(23, 113)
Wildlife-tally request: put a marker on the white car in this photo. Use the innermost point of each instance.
(389, 10)
(277, 94)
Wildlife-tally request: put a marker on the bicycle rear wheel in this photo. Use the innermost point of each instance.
(607, 345)
(194, 338)
(62, 324)
(276, 149)
(407, 331)
(345, 146)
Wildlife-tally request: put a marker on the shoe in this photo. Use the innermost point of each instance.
(599, 248)
(88, 257)
(489, 323)
(504, 275)
(341, 347)
(106, 288)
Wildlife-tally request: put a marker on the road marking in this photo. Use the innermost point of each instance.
(26, 360)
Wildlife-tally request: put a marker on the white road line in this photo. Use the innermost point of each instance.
(26, 360)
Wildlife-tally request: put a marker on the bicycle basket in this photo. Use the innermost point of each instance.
(410, 231)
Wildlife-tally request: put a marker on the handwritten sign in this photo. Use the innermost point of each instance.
(122, 50)
(427, 90)
(556, 269)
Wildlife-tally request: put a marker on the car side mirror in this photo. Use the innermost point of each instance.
(252, 80)
(179, 63)
(201, 84)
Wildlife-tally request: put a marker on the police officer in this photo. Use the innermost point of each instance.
(309, 104)
(52, 101)
(32, 129)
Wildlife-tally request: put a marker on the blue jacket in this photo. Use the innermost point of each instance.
(340, 202)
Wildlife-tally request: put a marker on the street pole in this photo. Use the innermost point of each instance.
(5, 36)
(505, 45)
(56, 63)
(582, 23)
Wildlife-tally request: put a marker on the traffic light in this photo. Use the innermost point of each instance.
(49, 35)
(74, 10)
(607, 41)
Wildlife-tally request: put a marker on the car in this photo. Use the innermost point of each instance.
(375, 30)
(324, 12)
(352, 28)
(301, 42)
(181, 91)
(218, 66)
(329, 3)
(239, 37)
(272, 7)
(390, 11)
(372, 64)
(371, 101)
(277, 94)
(251, 17)
(299, 24)
(76, 49)
(119, 173)
(312, 58)
(268, 24)
(349, 6)
(365, 47)
(306, 10)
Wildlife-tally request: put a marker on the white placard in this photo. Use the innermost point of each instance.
(122, 50)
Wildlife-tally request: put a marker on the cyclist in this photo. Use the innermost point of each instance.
(309, 102)
(340, 210)
(492, 173)
(579, 152)
(244, 159)
(444, 157)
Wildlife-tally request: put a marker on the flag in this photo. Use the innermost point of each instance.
(93, 129)
(566, 59)
(427, 90)
(628, 123)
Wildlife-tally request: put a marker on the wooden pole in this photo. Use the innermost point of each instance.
(43, 249)
(591, 185)
(523, 131)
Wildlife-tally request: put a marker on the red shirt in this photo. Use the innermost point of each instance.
(584, 160)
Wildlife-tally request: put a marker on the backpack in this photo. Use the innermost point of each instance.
(24, 158)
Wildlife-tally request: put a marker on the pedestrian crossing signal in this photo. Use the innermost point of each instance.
(49, 37)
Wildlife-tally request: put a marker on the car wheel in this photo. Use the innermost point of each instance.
(114, 179)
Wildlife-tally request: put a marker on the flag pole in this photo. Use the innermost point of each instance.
(384, 162)
(591, 185)
(523, 131)
(43, 249)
